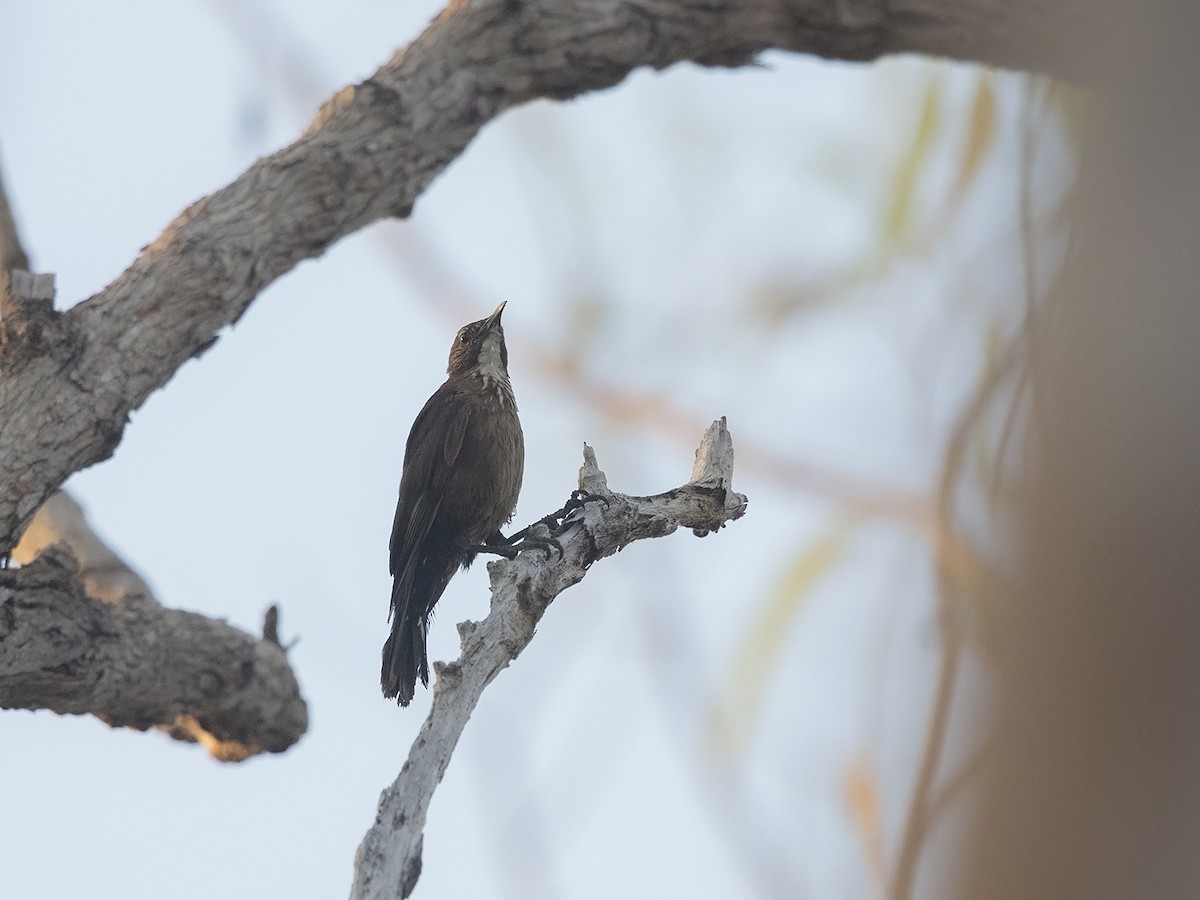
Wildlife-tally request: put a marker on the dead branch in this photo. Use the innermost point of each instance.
(388, 863)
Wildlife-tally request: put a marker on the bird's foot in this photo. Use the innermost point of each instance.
(556, 522)
(519, 542)
(542, 534)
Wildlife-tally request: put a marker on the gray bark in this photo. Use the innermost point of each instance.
(81, 632)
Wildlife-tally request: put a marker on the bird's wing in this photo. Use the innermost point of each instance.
(427, 469)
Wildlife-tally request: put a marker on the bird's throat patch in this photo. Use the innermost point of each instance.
(491, 365)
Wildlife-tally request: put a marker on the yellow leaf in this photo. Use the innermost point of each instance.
(897, 219)
(980, 134)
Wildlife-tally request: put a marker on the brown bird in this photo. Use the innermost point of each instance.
(462, 473)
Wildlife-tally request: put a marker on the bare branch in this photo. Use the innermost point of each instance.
(389, 858)
(136, 664)
(103, 574)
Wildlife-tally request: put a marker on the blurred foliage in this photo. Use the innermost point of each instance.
(860, 794)
(903, 232)
(899, 211)
(761, 649)
(981, 135)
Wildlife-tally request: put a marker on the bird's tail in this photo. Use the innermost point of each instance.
(404, 657)
(414, 594)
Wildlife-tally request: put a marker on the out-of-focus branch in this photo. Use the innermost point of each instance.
(1092, 787)
(854, 494)
(960, 573)
(12, 251)
(104, 575)
(389, 858)
(136, 664)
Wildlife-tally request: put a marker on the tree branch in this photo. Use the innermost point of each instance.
(370, 153)
(80, 631)
(103, 574)
(135, 664)
(388, 863)
(131, 663)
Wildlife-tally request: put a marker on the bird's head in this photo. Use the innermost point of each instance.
(479, 349)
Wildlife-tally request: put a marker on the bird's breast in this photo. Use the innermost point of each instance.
(493, 457)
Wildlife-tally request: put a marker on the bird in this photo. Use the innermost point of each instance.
(463, 466)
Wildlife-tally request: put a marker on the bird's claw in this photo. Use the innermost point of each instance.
(543, 544)
(520, 542)
(581, 498)
(577, 501)
(556, 522)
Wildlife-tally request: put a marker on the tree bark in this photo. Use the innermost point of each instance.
(80, 631)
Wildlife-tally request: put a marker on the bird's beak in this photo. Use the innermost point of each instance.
(493, 320)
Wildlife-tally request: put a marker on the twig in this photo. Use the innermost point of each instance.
(955, 785)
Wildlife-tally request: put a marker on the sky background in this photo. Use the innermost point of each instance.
(821, 252)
